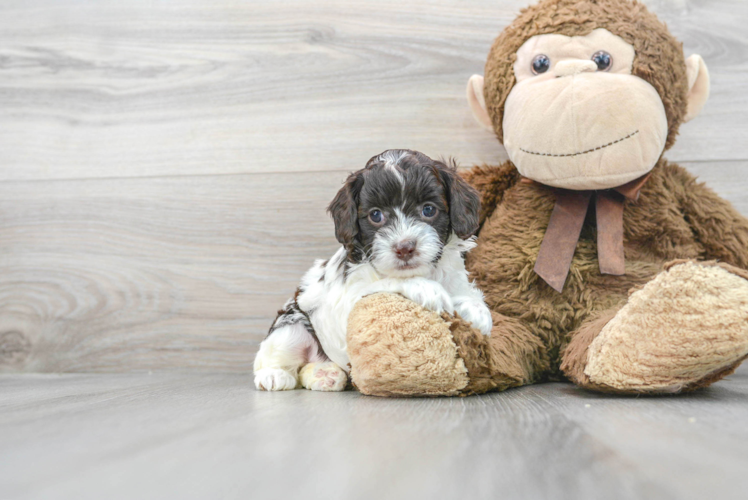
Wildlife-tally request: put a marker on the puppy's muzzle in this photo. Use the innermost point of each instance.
(405, 250)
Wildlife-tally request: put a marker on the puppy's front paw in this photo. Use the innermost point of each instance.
(323, 377)
(274, 379)
(478, 314)
(430, 295)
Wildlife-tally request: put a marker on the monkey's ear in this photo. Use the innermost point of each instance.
(478, 102)
(344, 209)
(698, 86)
(464, 202)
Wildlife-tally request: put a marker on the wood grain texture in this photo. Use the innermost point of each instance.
(171, 272)
(153, 273)
(124, 436)
(124, 89)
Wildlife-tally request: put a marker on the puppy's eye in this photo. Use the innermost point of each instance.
(428, 211)
(540, 64)
(376, 216)
(603, 60)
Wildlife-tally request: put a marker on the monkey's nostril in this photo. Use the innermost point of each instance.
(405, 250)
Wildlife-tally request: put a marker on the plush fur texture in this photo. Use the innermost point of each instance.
(674, 218)
(687, 321)
(675, 321)
(412, 352)
(684, 329)
(398, 349)
(659, 57)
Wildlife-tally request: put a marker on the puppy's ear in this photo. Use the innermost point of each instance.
(344, 209)
(464, 201)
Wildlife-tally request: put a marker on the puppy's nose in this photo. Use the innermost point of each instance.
(405, 250)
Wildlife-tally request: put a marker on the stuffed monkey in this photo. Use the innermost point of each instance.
(602, 263)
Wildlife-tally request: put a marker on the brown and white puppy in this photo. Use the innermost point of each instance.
(405, 223)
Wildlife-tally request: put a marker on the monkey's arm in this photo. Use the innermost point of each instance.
(491, 182)
(721, 229)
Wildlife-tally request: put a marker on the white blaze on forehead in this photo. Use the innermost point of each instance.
(392, 161)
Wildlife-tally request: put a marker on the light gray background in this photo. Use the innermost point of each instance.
(164, 170)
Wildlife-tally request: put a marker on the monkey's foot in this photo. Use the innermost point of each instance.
(323, 377)
(685, 329)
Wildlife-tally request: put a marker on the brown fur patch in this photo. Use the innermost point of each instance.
(674, 218)
(659, 56)
(728, 370)
(491, 183)
(690, 321)
(508, 358)
(713, 377)
(575, 354)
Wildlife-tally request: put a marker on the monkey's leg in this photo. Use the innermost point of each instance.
(685, 329)
(398, 348)
(511, 357)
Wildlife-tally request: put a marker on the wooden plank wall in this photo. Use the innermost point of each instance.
(164, 167)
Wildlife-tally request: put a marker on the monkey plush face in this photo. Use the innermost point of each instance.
(577, 118)
(587, 95)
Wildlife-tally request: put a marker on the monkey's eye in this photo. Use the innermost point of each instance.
(603, 60)
(428, 211)
(376, 216)
(540, 64)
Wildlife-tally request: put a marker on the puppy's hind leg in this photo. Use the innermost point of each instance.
(290, 345)
(324, 376)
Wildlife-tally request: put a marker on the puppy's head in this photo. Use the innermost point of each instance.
(400, 210)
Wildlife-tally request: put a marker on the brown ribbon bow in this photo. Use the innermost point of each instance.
(565, 226)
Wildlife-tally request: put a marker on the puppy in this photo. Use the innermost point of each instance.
(405, 223)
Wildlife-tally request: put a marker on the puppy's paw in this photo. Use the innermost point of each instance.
(323, 377)
(275, 379)
(430, 295)
(478, 314)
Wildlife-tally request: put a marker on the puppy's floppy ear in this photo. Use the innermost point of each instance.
(464, 201)
(344, 209)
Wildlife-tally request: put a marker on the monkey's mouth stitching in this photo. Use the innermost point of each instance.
(581, 152)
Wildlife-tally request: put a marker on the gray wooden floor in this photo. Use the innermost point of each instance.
(164, 170)
(204, 436)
